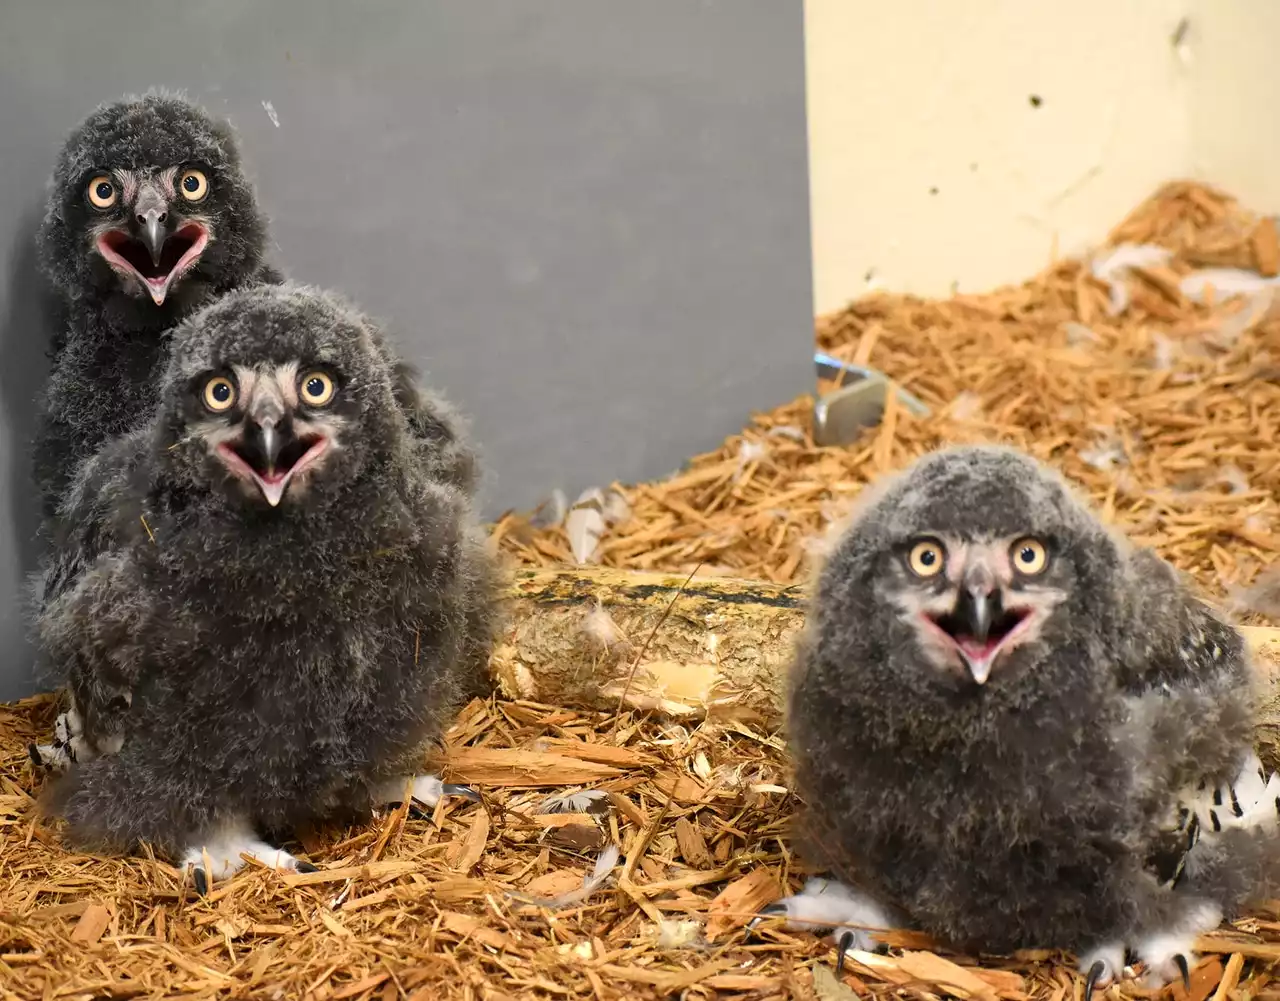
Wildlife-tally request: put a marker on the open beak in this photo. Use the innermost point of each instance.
(980, 626)
(270, 456)
(154, 259)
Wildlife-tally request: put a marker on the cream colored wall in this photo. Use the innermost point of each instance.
(1235, 98)
(932, 170)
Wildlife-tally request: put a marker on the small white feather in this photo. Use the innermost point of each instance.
(601, 630)
(749, 452)
(616, 509)
(1078, 333)
(1235, 479)
(1231, 327)
(551, 512)
(1224, 283)
(585, 524)
(678, 934)
(586, 801)
(1106, 454)
(1112, 266)
(967, 406)
(604, 865)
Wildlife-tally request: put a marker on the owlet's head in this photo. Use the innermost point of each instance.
(979, 559)
(149, 197)
(277, 395)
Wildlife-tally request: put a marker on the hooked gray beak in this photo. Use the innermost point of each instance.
(153, 233)
(264, 441)
(977, 608)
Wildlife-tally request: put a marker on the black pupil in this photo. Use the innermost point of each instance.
(315, 387)
(1028, 555)
(104, 190)
(928, 557)
(191, 182)
(221, 392)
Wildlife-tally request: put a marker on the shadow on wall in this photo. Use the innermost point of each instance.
(23, 346)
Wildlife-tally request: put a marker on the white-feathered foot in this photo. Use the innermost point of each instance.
(1102, 967)
(225, 849)
(69, 744)
(425, 793)
(827, 904)
(1168, 955)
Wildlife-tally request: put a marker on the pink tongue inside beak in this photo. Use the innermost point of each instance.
(272, 483)
(976, 650)
(181, 251)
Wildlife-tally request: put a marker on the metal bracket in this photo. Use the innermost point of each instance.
(856, 403)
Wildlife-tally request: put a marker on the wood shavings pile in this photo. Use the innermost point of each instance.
(1167, 412)
(1159, 398)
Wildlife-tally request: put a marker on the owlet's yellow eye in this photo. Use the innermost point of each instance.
(316, 389)
(1029, 556)
(219, 394)
(927, 558)
(102, 192)
(193, 185)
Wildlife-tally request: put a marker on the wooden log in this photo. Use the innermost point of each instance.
(700, 648)
(712, 647)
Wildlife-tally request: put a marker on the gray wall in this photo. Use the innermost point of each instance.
(587, 219)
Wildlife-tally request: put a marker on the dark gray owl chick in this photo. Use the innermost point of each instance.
(149, 217)
(1012, 730)
(291, 606)
(85, 527)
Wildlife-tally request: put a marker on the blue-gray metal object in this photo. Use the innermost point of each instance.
(857, 402)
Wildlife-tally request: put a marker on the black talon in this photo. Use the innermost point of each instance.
(1091, 981)
(465, 792)
(201, 879)
(1180, 961)
(34, 753)
(843, 946)
(767, 911)
(417, 812)
(301, 866)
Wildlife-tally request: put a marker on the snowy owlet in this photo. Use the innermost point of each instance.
(288, 600)
(1012, 729)
(150, 216)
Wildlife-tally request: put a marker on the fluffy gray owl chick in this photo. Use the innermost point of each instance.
(86, 528)
(150, 216)
(1013, 730)
(291, 603)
